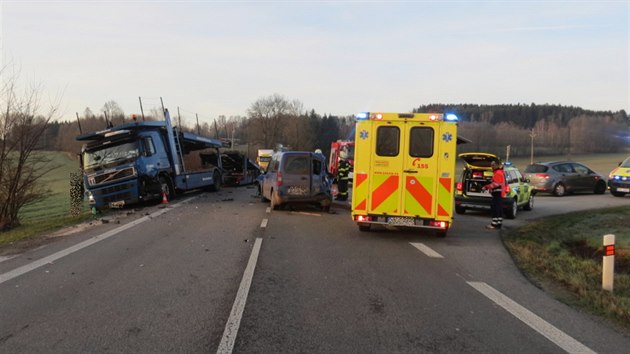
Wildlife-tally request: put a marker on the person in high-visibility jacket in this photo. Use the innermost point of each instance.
(497, 189)
(343, 174)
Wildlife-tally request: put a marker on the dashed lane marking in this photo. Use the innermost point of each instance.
(426, 250)
(264, 222)
(231, 327)
(541, 326)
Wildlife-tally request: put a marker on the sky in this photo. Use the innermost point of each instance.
(212, 58)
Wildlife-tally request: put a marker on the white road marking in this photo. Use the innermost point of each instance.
(426, 250)
(541, 326)
(268, 210)
(264, 222)
(6, 258)
(231, 327)
(55, 256)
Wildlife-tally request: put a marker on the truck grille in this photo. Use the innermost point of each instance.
(111, 176)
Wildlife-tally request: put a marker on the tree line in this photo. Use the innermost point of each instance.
(548, 129)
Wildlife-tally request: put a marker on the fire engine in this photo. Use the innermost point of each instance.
(404, 170)
(341, 149)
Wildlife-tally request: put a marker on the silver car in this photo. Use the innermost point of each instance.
(563, 177)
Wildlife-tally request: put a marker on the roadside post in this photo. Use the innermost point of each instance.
(608, 262)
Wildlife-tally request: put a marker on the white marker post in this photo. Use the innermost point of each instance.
(608, 263)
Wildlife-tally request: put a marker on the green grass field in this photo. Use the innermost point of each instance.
(54, 211)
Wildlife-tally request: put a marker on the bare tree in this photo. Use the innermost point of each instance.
(267, 115)
(21, 165)
(113, 112)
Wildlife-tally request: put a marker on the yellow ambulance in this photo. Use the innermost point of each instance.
(404, 170)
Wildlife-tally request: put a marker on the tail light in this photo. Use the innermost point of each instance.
(459, 186)
(507, 189)
(542, 175)
(361, 218)
(440, 224)
(279, 179)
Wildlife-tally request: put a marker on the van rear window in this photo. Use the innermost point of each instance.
(387, 141)
(297, 165)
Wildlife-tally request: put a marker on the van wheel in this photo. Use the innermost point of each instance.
(600, 187)
(512, 210)
(364, 227)
(441, 234)
(559, 190)
(275, 201)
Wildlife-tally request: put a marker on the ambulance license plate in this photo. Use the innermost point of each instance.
(623, 190)
(396, 220)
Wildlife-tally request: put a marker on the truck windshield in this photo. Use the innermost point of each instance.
(107, 155)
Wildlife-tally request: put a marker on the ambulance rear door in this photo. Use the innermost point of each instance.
(386, 164)
(420, 168)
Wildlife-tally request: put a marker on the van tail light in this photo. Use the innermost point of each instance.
(507, 189)
(279, 179)
(459, 186)
(542, 175)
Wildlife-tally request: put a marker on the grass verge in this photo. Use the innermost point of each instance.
(563, 255)
(53, 212)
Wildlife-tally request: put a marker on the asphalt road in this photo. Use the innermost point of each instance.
(220, 272)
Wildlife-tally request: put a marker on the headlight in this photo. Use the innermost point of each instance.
(90, 197)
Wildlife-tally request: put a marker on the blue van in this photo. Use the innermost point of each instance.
(297, 177)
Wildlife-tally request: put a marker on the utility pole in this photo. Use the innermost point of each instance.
(532, 135)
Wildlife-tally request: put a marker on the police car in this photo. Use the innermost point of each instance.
(477, 173)
(619, 179)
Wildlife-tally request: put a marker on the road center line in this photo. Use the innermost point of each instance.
(426, 250)
(231, 327)
(264, 222)
(55, 256)
(541, 326)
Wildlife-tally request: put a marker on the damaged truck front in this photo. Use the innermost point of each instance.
(146, 160)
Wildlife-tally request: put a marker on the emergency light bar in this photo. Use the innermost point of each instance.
(433, 117)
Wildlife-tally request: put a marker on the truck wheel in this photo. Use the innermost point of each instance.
(364, 227)
(216, 178)
(441, 234)
(166, 187)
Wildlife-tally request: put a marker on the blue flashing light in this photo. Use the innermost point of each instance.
(507, 163)
(362, 116)
(451, 118)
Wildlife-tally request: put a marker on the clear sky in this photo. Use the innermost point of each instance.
(216, 58)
